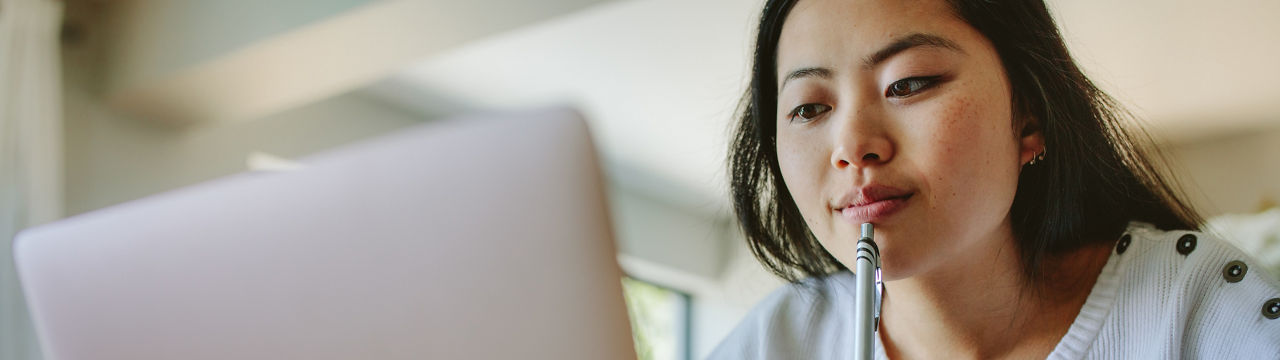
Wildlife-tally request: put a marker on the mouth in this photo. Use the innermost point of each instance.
(872, 204)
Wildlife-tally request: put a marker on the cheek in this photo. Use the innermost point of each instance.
(976, 152)
(801, 160)
(971, 129)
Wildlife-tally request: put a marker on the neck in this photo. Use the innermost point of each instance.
(970, 306)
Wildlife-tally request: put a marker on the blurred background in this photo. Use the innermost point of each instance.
(103, 102)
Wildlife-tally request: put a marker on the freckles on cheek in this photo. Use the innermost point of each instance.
(971, 140)
(957, 145)
(951, 132)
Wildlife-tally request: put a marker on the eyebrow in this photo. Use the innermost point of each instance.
(907, 42)
(817, 72)
(899, 45)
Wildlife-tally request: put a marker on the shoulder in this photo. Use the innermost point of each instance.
(1194, 294)
(1196, 263)
(795, 319)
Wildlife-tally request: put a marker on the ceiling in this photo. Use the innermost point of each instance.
(660, 79)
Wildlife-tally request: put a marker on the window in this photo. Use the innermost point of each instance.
(659, 320)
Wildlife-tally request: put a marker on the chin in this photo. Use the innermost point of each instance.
(895, 265)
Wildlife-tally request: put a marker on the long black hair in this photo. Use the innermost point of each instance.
(1098, 175)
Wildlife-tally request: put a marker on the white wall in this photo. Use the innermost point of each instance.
(1231, 174)
(112, 157)
(153, 39)
(669, 234)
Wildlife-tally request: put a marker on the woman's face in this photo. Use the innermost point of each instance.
(897, 113)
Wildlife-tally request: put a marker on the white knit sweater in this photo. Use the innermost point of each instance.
(1161, 295)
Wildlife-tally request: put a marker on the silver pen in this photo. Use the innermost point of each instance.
(869, 290)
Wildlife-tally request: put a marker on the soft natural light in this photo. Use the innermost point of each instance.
(658, 320)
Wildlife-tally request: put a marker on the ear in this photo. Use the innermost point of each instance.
(1030, 145)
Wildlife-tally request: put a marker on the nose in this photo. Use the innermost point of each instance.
(860, 141)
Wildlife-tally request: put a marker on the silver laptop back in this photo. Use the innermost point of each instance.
(480, 238)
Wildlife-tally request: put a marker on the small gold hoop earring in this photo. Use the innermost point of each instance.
(1035, 158)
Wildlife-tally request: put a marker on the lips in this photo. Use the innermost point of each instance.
(870, 204)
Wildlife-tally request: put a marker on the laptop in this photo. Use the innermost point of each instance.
(484, 237)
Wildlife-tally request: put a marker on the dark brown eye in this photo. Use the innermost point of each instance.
(808, 112)
(910, 86)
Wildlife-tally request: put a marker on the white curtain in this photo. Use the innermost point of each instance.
(30, 149)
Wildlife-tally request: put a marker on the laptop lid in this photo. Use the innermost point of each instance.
(485, 237)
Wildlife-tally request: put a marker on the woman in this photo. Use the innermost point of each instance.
(1015, 216)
